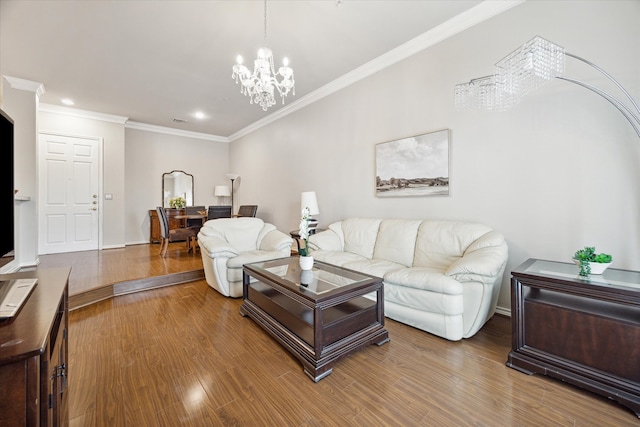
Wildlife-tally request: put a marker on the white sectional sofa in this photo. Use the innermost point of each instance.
(443, 277)
(226, 244)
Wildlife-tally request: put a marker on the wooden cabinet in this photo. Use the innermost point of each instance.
(154, 222)
(34, 354)
(582, 331)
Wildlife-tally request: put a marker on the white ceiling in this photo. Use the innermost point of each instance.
(152, 61)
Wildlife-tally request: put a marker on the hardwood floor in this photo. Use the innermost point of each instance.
(98, 275)
(183, 356)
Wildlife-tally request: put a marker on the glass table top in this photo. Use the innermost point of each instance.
(614, 278)
(321, 279)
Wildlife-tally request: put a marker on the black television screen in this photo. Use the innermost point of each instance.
(7, 193)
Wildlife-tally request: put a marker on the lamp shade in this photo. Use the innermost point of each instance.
(221, 191)
(232, 176)
(308, 200)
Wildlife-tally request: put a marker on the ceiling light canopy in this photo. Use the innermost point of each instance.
(261, 85)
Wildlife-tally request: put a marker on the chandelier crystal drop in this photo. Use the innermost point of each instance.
(262, 84)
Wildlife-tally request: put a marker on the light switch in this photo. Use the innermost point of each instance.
(108, 196)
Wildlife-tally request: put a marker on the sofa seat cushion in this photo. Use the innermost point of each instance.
(336, 258)
(424, 278)
(424, 301)
(374, 267)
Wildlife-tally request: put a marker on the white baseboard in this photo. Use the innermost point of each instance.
(503, 311)
(113, 246)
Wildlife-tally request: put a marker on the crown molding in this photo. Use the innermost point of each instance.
(26, 85)
(83, 114)
(455, 25)
(176, 132)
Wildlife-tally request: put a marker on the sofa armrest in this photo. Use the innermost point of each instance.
(485, 258)
(276, 240)
(326, 240)
(216, 247)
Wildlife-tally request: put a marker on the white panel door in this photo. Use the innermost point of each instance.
(69, 194)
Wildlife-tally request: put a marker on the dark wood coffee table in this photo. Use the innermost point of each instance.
(320, 315)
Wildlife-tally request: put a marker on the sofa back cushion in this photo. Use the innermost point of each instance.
(243, 234)
(397, 240)
(360, 235)
(440, 243)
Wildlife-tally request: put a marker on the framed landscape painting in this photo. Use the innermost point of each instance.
(414, 166)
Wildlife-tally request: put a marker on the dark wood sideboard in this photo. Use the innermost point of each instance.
(585, 332)
(154, 232)
(33, 354)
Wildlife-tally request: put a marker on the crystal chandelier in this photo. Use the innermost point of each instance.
(527, 68)
(261, 85)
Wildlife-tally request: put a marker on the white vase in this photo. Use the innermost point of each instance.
(596, 267)
(306, 277)
(306, 262)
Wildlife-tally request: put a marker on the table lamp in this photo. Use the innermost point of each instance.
(221, 191)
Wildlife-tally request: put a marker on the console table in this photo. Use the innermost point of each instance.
(584, 331)
(33, 353)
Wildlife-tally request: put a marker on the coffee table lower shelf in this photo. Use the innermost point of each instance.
(315, 366)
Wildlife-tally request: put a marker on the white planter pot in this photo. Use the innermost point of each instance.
(596, 267)
(306, 262)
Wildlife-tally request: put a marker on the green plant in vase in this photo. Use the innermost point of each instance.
(584, 257)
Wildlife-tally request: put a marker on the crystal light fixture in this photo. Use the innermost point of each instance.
(261, 85)
(527, 68)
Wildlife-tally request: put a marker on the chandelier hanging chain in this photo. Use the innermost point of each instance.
(265, 23)
(261, 85)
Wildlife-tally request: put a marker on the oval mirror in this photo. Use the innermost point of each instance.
(177, 184)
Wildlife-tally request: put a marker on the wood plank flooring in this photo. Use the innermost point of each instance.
(183, 356)
(98, 275)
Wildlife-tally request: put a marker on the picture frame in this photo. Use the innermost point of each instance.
(413, 166)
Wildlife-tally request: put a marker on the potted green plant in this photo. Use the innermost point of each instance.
(590, 262)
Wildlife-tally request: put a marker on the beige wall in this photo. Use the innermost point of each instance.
(150, 154)
(556, 173)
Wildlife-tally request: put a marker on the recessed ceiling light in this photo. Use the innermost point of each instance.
(199, 115)
(66, 101)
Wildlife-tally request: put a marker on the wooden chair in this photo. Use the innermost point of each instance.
(176, 235)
